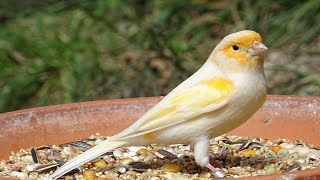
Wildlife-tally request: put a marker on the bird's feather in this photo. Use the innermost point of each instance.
(205, 96)
(86, 156)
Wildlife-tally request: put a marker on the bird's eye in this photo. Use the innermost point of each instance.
(235, 47)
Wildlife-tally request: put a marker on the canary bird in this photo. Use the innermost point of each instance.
(223, 94)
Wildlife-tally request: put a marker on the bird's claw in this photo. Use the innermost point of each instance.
(215, 171)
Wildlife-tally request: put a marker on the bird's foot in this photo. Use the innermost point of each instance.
(215, 171)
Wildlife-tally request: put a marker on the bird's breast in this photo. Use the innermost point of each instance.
(249, 96)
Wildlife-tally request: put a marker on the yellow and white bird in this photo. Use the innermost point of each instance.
(224, 93)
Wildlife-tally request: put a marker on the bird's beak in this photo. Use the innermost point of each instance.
(257, 49)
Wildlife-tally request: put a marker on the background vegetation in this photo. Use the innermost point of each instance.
(54, 52)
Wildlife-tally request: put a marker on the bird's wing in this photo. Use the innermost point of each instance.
(183, 105)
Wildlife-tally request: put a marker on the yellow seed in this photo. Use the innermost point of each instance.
(271, 170)
(89, 175)
(275, 149)
(248, 152)
(142, 151)
(171, 168)
(126, 161)
(278, 172)
(156, 149)
(100, 164)
(78, 151)
(205, 175)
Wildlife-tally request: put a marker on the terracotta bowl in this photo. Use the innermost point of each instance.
(286, 117)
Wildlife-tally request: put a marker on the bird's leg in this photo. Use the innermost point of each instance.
(201, 156)
(201, 151)
(209, 166)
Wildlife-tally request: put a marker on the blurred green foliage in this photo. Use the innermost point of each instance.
(78, 50)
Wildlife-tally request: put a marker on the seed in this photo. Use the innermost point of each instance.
(167, 154)
(293, 167)
(100, 164)
(282, 152)
(314, 155)
(233, 171)
(171, 168)
(89, 175)
(248, 152)
(117, 153)
(148, 159)
(78, 151)
(278, 172)
(122, 170)
(142, 151)
(275, 149)
(205, 175)
(126, 161)
(140, 166)
(271, 170)
(154, 178)
(155, 149)
(20, 175)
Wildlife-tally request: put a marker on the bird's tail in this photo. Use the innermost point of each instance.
(85, 157)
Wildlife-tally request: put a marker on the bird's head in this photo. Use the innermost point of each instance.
(239, 51)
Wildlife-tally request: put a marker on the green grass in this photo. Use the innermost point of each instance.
(70, 51)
